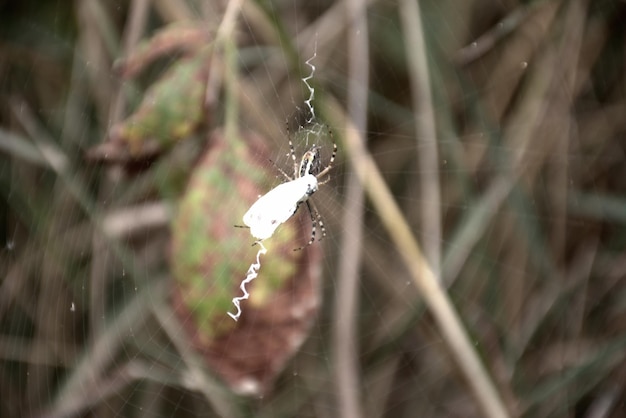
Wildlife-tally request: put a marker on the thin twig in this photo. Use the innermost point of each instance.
(127, 221)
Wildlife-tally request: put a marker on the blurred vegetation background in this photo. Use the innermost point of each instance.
(498, 126)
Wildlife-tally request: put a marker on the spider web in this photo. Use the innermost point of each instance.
(261, 220)
(538, 265)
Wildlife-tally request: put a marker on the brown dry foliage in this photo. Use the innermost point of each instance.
(530, 127)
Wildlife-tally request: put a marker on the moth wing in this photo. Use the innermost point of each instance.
(272, 209)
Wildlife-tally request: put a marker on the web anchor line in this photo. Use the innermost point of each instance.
(252, 274)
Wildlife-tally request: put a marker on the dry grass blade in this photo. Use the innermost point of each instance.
(426, 135)
(433, 293)
(89, 372)
(525, 143)
(346, 299)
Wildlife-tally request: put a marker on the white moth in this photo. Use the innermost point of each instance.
(278, 205)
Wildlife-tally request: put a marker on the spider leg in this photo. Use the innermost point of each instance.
(292, 152)
(293, 157)
(334, 154)
(320, 222)
(285, 175)
(332, 159)
(326, 180)
(313, 225)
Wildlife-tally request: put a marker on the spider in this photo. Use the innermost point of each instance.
(281, 203)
